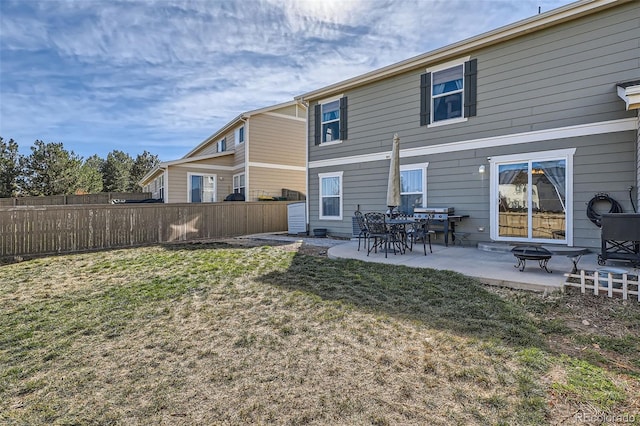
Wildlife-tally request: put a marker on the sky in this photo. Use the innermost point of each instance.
(162, 76)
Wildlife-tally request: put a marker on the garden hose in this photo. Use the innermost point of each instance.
(595, 217)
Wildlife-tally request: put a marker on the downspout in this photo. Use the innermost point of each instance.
(246, 157)
(165, 185)
(306, 161)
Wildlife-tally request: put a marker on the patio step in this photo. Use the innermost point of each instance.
(495, 247)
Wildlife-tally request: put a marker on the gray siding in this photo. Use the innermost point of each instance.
(561, 76)
(557, 77)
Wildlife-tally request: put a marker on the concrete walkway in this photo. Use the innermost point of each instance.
(490, 267)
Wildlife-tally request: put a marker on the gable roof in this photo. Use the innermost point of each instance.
(535, 23)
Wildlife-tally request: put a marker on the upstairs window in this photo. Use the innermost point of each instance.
(448, 93)
(221, 145)
(331, 121)
(239, 135)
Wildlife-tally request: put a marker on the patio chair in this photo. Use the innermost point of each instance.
(362, 225)
(382, 235)
(419, 231)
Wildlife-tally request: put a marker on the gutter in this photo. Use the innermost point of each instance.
(508, 32)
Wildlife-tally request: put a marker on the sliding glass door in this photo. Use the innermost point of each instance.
(531, 196)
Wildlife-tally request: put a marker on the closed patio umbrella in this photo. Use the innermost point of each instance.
(393, 188)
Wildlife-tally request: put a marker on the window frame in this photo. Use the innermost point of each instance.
(442, 67)
(322, 176)
(338, 120)
(160, 186)
(423, 168)
(240, 176)
(529, 157)
(221, 145)
(203, 175)
(240, 135)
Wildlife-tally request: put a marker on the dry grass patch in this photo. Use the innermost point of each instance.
(234, 334)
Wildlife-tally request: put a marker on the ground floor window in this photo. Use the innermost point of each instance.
(532, 194)
(413, 187)
(202, 188)
(238, 183)
(330, 195)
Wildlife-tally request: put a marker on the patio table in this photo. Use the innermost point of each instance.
(400, 225)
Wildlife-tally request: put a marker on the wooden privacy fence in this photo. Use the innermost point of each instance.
(67, 229)
(59, 200)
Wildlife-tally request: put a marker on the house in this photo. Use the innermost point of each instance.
(255, 156)
(518, 128)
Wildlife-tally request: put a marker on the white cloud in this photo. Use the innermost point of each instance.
(156, 73)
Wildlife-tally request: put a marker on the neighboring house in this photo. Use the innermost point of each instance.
(257, 155)
(518, 128)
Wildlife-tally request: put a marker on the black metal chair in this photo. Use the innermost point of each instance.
(362, 225)
(381, 234)
(419, 231)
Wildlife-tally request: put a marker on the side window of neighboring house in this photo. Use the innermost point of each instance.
(239, 134)
(221, 145)
(330, 195)
(413, 187)
(202, 188)
(331, 121)
(448, 93)
(238, 184)
(160, 185)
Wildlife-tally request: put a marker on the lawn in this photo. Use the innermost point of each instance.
(226, 333)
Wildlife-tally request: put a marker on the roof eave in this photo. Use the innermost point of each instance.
(535, 23)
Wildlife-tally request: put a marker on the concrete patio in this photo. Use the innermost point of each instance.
(493, 264)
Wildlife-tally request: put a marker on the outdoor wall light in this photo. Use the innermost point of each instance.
(481, 169)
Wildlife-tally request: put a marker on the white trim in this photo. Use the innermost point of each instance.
(285, 116)
(329, 175)
(233, 183)
(166, 187)
(450, 64)
(236, 136)
(205, 167)
(198, 158)
(245, 162)
(446, 122)
(335, 142)
(321, 103)
(418, 166)
(631, 96)
(277, 166)
(330, 99)
(215, 186)
(622, 125)
(567, 155)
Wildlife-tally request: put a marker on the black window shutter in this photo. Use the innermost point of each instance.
(425, 99)
(470, 87)
(318, 123)
(343, 118)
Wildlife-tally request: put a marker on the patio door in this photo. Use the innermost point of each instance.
(532, 197)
